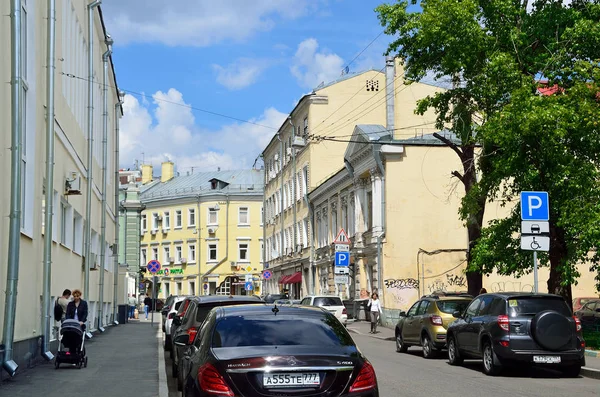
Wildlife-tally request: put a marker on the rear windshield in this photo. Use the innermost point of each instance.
(328, 301)
(178, 304)
(534, 305)
(280, 330)
(452, 306)
(204, 309)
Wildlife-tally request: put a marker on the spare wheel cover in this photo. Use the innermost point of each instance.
(551, 330)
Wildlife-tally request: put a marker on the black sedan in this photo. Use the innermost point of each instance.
(256, 351)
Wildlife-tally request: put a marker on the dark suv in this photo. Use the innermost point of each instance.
(518, 328)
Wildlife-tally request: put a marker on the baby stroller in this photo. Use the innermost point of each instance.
(72, 338)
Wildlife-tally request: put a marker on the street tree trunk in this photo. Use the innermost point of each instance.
(558, 251)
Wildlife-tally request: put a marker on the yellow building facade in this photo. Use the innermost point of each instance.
(205, 229)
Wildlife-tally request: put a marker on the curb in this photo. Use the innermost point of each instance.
(590, 373)
(592, 353)
(354, 331)
(163, 387)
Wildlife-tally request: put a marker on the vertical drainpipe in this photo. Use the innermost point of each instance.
(311, 216)
(117, 210)
(14, 237)
(90, 151)
(295, 237)
(200, 284)
(281, 196)
(51, 48)
(105, 57)
(264, 223)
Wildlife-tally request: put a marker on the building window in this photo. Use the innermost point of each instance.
(262, 251)
(243, 252)
(155, 254)
(305, 233)
(166, 220)
(77, 233)
(155, 221)
(167, 289)
(191, 217)
(305, 129)
(243, 216)
(305, 179)
(178, 254)
(213, 217)
(178, 288)
(167, 252)
(192, 290)
(212, 252)
(191, 253)
(178, 219)
(369, 210)
(63, 223)
(144, 223)
(143, 257)
(262, 215)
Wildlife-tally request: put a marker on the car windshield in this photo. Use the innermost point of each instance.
(239, 331)
(178, 304)
(452, 306)
(205, 308)
(328, 301)
(533, 305)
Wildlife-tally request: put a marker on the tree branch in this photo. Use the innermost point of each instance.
(450, 144)
(458, 175)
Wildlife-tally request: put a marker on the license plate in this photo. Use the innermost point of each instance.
(291, 380)
(546, 359)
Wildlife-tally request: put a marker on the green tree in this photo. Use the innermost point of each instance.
(495, 51)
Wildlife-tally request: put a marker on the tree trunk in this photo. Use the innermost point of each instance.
(557, 254)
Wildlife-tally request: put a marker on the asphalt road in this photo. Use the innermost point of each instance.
(409, 374)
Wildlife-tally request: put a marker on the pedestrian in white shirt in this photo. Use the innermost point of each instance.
(375, 311)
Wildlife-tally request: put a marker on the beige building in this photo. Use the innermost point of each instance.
(205, 229)
(69, 132)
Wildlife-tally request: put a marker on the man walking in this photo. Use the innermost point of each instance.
(61, 305)
(148, 305)
(132, 303)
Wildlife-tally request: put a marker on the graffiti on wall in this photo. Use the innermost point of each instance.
(511, 286)
(456, 280)
(403, 291)
(452, 282)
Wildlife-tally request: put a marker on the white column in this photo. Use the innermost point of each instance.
(360, 199)
(377, 200)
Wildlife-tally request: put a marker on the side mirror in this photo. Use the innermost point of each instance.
(456, 314)
(402, 314)
(177, 320)
(182, 340)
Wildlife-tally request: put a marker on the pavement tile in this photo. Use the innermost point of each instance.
(363, 328)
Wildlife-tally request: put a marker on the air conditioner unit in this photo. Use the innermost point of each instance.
(73, 183)
(298, 142)
(153, 232)
(171, 259)
(212, 230)
(183, 260)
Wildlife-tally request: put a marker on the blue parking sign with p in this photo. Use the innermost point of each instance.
(535, 206)
(342, 259)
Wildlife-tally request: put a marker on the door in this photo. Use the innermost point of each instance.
(409, 333)
(420, 318)
(467, 338)
(476, 328)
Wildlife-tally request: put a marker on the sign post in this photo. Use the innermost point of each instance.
(153, 267)
(535, 227)
(342, 259)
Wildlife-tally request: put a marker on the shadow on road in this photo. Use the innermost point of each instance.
(517, 372)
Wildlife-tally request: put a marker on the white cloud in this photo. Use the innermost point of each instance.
(169, 131)
(241, 73)
(197, 23)
(311, 67)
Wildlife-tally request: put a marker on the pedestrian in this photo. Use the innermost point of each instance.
(376, 311)
(132, 302)
(147, 304)
(482, 291)
(60, 306)
(77, 309)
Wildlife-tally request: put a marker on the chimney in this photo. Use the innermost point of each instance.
(146, 173)
(390, 72)
(167, 171)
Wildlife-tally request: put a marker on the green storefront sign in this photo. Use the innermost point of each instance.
(170, 272)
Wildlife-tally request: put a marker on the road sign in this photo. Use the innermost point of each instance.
(205, 286)
(341, 238)
(248, 278)
(342, 259)
(267, 275)
(166, 272)
(153, 266)
(341, 279)
(535, 206)
(342, 270)
(249, 268)
(535, 243)
(248, 286)
(342, 248)
(535, 227)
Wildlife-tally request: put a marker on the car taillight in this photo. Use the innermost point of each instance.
(212, 382)
(192, 334)
(503, 322)
(170, 316)
(577, 323)
(344, 311)
(365, 380)
(436, 320)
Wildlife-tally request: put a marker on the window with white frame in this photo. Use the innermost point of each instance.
(178, 219)
(277, 203)
(155, 254)
(178, 254)
(212, 252)
(305, 233)
(262, 215)
(305, 129)
(144, 223)
(77, 233)
(143, 257)
(167, 288)
(192, 288)
(305, 179)
(191, 217)
(262, 251)
(299, 191)
(55, 215)
(155, 221)
(167, 254)
(213, 216)
(243, 216)
(191, 252)
(178, 286)
(243, 254)
(63, 223)
(166, 224)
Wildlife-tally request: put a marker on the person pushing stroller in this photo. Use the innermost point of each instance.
(77, 309)
(72, 333)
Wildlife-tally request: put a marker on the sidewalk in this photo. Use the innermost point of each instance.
(117, 360)
(592, 361)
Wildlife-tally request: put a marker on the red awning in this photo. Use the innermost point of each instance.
(282, 279)
(295, 278)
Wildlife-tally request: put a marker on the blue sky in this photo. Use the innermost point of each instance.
(250, 59)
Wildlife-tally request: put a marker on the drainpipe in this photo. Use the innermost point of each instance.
(117, 210)
(105, 57)
(226, 242)
(311, 215)
(281, 197)
(264, 223)
(14, 242)
(46, 330)
(90, 151)
(293, 178)
(199, 250)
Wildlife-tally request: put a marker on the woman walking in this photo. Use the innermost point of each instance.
(375, 311)
(77, 309)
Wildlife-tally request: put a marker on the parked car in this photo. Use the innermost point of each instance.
(518, 329)
(177, 321)
(271, 298)
(241, 350)
(332, 304)
(195, 315)
(175, 305)
(426, 322)
(589, 315)
(165, 310)
(579, 302)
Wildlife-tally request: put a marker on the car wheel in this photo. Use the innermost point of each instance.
(401, 347)
(429, 350)
(174, 370)
(572, 371)
(454, 357)
(167, 344)
(491, 364)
